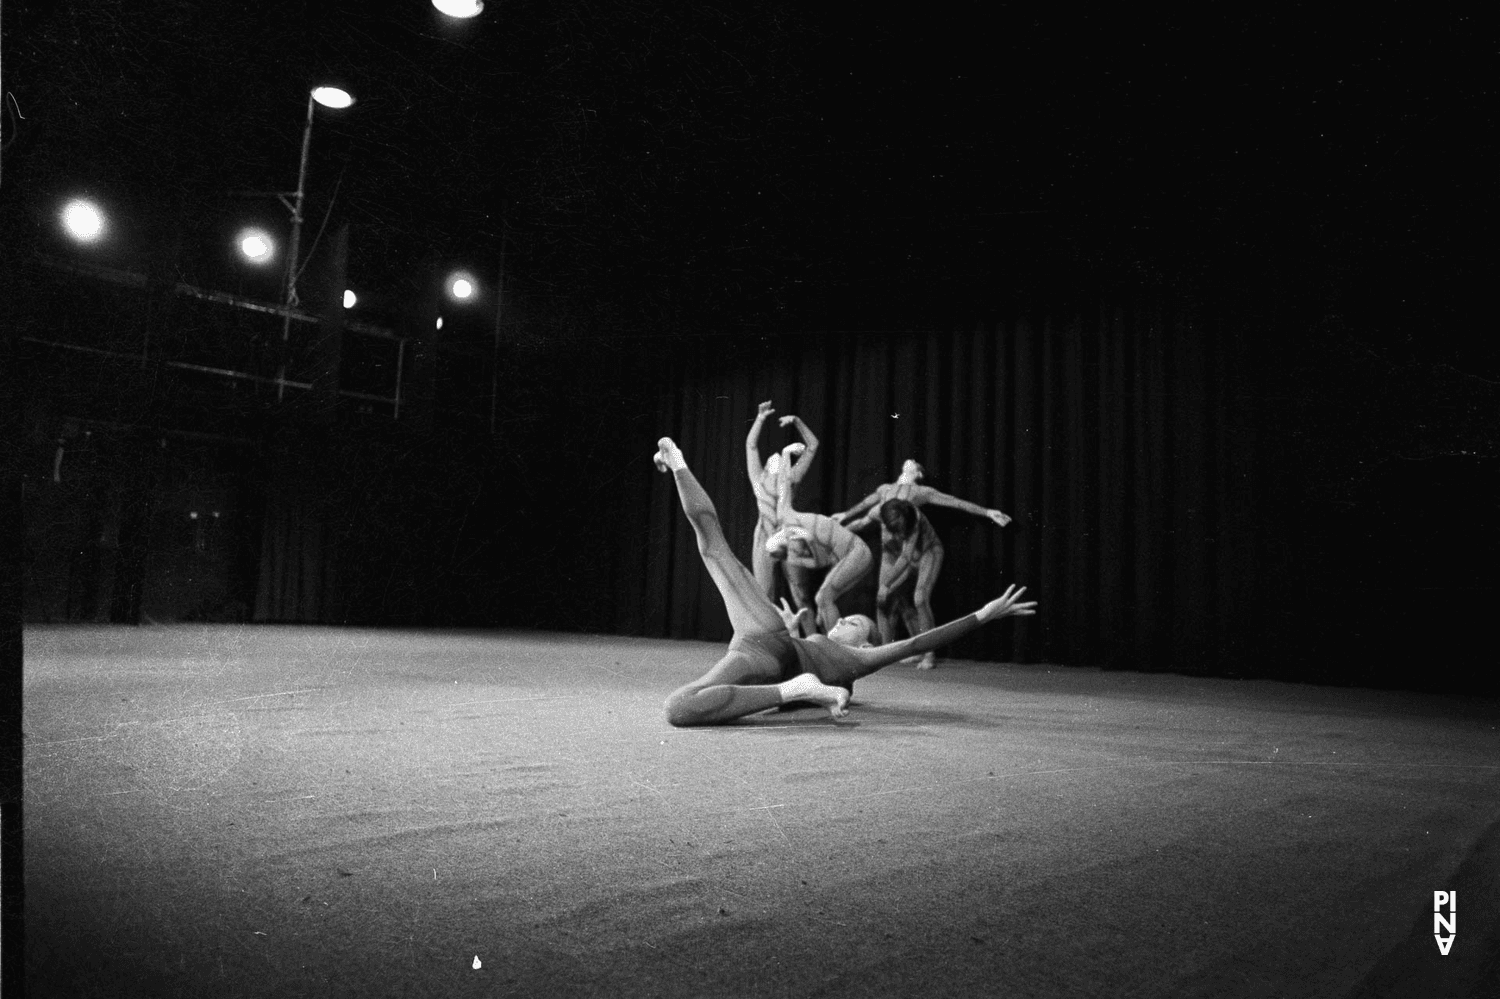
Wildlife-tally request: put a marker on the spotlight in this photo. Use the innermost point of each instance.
(83, 220)
(459, 8)
(332, 97)
(256, 246)
(461, 286)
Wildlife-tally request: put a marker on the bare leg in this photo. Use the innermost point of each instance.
(750, 610)
(761, 562)
(741, 684)
(884, 620)
(842, 578)
(928, 567)
(909, 618)
(798, 580)
(744, 681)
(886, 598)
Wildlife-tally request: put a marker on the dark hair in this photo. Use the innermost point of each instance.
(899, 517)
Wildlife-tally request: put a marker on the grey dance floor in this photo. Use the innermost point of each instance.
(281, 811)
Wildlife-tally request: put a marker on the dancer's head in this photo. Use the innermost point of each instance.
(855, 630)
(773, 463)
(911, 471)
(899, 517)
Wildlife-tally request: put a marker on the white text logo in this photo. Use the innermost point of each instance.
(1444, 923)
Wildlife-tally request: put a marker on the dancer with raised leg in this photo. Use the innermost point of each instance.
(926, 549)
(765, 666)
(763, 479)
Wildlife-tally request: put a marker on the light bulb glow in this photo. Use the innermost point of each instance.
(257, 247)
(83, 220)
(349, 299)
(332, 97)
(459, 8)
(460, 285)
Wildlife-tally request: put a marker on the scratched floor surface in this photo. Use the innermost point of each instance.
(276, 811)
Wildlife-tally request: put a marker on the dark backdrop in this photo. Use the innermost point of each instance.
(1200, 300)
(1111, 431)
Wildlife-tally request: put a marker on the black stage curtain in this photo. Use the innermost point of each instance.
(297, 562)
(1117, 436)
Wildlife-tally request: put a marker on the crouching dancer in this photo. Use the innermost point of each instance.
(765, 666)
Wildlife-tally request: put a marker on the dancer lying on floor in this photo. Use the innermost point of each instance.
(765, 666)
(811, 541)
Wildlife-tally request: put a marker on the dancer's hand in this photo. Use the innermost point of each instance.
(1006, 605)
(998, 517)
(764, 411)
(778, 544)
(787, 420)
(788, 616)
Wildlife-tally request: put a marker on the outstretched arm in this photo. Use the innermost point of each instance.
(808, 439)
(752, 442)
(848, 517)
(927, 494)
(784, 512)
(1008, 604)
(903, 566)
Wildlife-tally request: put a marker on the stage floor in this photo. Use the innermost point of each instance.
(288, 811)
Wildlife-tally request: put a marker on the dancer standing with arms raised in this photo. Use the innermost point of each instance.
(763, 479)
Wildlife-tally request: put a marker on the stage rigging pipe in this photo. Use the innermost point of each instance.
(290, 298)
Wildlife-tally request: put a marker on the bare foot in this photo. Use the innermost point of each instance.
(929, 661)
(835, 699)
(667, 457)
(809, 688)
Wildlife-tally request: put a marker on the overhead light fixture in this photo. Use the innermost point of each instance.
(255, 246)
(459, 8)
(332, 97)
(83, 220)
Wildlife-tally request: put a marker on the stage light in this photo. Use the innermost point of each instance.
(349, 299)
(256, 246)
(461, 286)
(332, 97)
(83, 220)
(459, 8)
(329, 97)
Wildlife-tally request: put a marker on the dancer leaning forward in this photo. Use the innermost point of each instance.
(765, 665)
